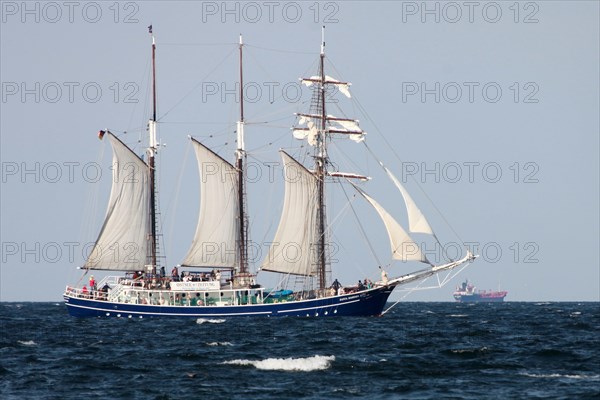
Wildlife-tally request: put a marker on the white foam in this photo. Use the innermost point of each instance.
(568, 376)
(219, 344)
(458, 315)
(314, 363)
(27, 343)
(209, 321)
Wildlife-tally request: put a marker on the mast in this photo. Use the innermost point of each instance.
(151, 164)
(321, 171)
(240, 153)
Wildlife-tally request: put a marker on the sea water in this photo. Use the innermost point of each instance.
(417, 350)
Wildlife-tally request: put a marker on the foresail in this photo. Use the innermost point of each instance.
(214, 244)
(416, 220)
(292, 248)
(403, 247)
(124, 238)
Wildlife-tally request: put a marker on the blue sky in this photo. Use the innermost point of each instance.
(487, 112)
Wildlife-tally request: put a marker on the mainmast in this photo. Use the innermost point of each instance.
(241, 154)
(321, 159)
(151, 164)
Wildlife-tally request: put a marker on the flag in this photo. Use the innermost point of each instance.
(101, 134)
(150, 29)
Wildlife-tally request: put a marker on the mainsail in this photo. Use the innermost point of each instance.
(292, 250)
(214, 243)
(403, 247)
(123, 241)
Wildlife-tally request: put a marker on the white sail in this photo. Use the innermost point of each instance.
(292, 248)
(343, 87)
(416, 220)
(347, 127)
(403, 247)
(123, 241)
(214, 243)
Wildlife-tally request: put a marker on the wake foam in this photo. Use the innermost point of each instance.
(27, 342)
(209, 321)
(314, 363)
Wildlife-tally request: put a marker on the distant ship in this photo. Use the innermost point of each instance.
(466, 294)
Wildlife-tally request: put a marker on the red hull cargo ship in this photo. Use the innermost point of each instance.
(466, 293)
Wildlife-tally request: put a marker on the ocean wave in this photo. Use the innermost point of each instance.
(458, 315)
(219, 344)
(209, 321)
(314, 363)
(27, 342)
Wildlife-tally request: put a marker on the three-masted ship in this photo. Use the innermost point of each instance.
(222, 284)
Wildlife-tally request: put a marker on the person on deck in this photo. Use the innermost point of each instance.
(84, 292)
(336, 286)
(92, 286)
(104, 292)
(384, 276)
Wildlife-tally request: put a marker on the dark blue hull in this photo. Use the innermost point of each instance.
(366, 303)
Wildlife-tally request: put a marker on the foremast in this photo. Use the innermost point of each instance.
(319, 130)
(321, 167)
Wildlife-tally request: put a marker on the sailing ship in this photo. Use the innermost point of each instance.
(222, 284)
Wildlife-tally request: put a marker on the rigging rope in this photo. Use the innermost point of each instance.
(448, 278)
(362, 229)
(384, 168)
(198, 84)
(364, 111)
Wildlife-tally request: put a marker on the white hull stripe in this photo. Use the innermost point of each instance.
(167, 313)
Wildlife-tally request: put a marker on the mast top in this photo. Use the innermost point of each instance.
(241, 42)
(323, 40)
(151, 34)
